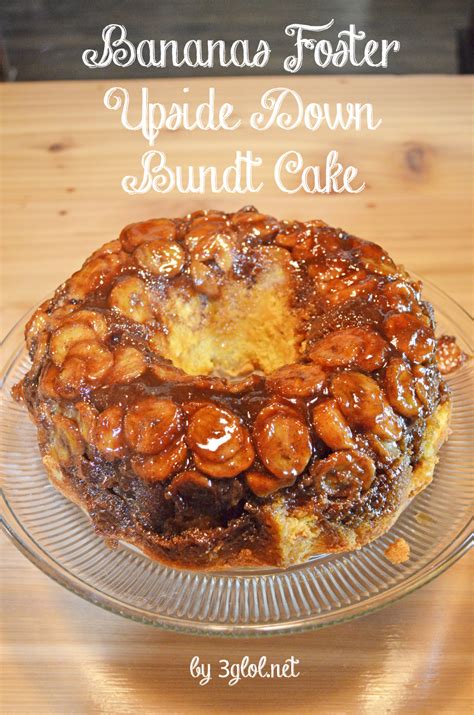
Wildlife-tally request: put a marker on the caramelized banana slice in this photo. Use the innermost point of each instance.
(330, 425)
(169, 373)
(263, 484)
(96, 358)
(159, 467)
(37, 324)
(161, 257)
(91, 318)
(48, 386)
(107, 248)
(215, 434)
(426, 384)
(130, 297)
(206, 278)
(373, 257)
(362, 403)
(296, 380)
(346, 290)
(401, 296)
(129, 364)
(351, 347)
(238, 463)
(330, 270)
(288, 238)
(151, 424)
(411, 336)
(67, 439)
(304, 248)
(187, 483)
(218, 248)
(282, 440)
(108, 436)
(343, 475)
(65, 337)
(135, 234)
(71, 377)
(400, 390)
(232, 386)
(86, 419)
(256, 224)
(204, 227)
(95, 272)
(387, 450)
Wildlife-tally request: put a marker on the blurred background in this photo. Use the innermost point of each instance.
(44, 39)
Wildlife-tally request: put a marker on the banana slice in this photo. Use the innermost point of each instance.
(283, 441)
(151, 424)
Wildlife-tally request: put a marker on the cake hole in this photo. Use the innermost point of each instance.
(249, 328)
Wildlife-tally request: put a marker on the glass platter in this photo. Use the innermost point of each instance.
(58, 537)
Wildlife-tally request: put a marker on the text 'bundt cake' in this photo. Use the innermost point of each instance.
(226, 390)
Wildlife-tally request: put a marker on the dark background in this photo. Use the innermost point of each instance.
(44, 39)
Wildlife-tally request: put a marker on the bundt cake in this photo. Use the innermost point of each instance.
(227, 389)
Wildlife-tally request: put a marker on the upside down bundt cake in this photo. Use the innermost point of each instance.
(232, 390)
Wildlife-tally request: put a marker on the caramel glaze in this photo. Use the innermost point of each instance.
(333, 433)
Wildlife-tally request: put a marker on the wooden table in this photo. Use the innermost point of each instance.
(63, 157)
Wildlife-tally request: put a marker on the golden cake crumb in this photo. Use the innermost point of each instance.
(398, 551)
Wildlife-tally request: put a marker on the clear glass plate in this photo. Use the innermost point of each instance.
(58, 537)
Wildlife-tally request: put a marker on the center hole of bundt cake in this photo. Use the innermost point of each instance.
(251, 326)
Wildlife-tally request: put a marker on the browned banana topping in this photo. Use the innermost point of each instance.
(199, 371)
(215, 434)
(97, 360)
(263, 484)
(67, 442)
(256, 224)
(158, 467)
(188, 482)
(400, 388)
(96, 272)
(351, 347)
(400, 296)
(374, 258)
(65, 337)
(343, 474)
(411, 336)
(160, 257)
(107, 434)
(129, 364)
(297, 380)
(363, 404)
(283, 441)
(207, 278)
(131, 298)
(330, 425)
(91, 318)
(86, 420)
(136, 234)
(150, 424)
(233, 466)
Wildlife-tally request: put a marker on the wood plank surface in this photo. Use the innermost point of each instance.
(63, 155)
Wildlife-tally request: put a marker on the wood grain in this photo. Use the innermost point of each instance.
(63, 156)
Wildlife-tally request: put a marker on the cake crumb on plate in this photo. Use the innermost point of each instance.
(398, 551)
